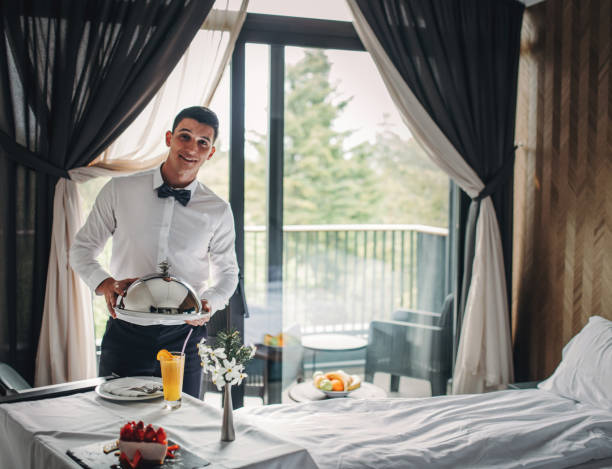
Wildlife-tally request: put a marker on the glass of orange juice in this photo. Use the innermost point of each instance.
(172, 366)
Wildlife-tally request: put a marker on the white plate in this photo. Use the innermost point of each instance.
(114, 397)
(150, 319)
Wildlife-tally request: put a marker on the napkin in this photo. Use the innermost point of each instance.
(123, 387)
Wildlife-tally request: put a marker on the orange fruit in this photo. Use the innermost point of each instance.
(337, 385)
(163, 354)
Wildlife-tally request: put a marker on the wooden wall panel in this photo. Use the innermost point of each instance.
(562, 265)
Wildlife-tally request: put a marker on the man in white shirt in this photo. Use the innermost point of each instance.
(160, 215)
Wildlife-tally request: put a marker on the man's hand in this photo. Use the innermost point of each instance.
(205, 319)
(111, 289)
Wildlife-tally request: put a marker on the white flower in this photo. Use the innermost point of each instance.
(222, 367)
(214, 361)
(241, 376)
(231, 371)
(203, 350)
(218, 353)
(234, 378)
(229, 364)
(205, 360)
(218, 379)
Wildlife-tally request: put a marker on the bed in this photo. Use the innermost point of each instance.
(565, 422)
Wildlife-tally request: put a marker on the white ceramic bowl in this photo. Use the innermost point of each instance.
(336, 393)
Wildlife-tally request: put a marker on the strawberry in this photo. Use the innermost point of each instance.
(150, 434)
(161, 436)
(137, 458)
(133, 464)
(126, 433)
(171, 450)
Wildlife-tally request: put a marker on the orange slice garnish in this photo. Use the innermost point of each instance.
(163, 354)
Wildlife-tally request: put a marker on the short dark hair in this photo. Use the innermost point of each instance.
(201, 114)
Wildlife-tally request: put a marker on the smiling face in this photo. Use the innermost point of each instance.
(191, 144)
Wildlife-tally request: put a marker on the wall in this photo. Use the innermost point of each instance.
(562, 266)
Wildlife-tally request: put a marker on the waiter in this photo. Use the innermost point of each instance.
(160, 215)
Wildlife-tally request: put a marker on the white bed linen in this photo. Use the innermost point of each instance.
(504, 429)
(37, 434)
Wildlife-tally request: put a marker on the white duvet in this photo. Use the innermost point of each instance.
(505, 429)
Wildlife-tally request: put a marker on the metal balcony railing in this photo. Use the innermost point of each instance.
(337, 278)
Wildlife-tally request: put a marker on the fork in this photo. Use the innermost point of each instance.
(147, 388)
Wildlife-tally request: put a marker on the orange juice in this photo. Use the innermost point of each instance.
(172, 368)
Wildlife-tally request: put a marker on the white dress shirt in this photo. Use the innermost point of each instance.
(197, 240)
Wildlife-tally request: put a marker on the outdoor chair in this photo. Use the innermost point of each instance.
(416, 344)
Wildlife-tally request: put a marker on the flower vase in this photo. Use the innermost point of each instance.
(227, 428)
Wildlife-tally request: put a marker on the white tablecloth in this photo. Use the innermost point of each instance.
(37, 434)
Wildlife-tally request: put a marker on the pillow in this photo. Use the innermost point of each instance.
(585, 371)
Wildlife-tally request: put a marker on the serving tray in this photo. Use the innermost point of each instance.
(93, 457)
(150, 319)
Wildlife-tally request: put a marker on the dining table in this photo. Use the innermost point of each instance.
(40, 429)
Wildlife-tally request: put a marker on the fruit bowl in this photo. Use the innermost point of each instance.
(336, 383)
(336, 393)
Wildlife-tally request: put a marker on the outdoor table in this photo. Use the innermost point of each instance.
(331, 343)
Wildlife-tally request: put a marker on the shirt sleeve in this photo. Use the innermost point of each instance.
(92, 237)
(223, 264)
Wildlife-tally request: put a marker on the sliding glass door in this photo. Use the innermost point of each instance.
(342, 217)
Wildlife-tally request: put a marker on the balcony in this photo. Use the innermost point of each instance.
(338, 278)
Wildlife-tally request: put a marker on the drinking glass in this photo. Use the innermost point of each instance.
(172, 369)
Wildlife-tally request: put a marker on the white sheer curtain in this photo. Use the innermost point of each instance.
(66, 348)
(484, 358)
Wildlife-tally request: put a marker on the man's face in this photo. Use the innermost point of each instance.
(191, 144)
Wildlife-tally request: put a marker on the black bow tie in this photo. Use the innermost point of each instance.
(181, 195)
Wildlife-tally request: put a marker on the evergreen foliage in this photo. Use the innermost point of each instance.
(389, 181)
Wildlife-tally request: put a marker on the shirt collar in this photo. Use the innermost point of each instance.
(158, 181)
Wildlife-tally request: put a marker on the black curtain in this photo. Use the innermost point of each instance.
(73, 75)
(460, 59)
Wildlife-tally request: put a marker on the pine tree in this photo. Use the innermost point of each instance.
(415, 190)
(323, 183)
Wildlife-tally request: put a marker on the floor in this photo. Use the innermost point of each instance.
(408, 387)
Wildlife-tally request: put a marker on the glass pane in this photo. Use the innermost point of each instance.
(365, 211)
(261, 321)
(214, 173)
(88, 192)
